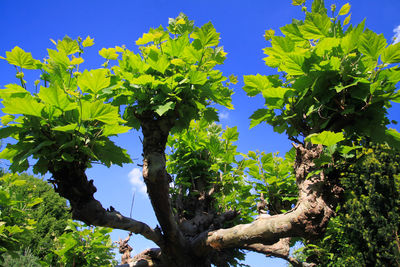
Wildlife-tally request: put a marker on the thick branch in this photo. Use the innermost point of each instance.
(308, 219)
(71, 182)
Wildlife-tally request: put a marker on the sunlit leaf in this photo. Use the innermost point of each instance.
(326, 138)
(20, 58)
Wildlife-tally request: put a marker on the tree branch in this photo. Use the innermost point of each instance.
(308, 219)
(71, 182)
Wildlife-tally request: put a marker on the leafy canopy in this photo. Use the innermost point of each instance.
(73, 115)
(335, 78)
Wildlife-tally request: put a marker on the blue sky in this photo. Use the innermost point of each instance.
(30, 25)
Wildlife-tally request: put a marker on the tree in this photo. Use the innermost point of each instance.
(51, 216)
(16, 222)
(365, 232)
(80, 245)
(336, 85)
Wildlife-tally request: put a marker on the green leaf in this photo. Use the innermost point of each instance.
(318, 6)
(293, 64)
(56, 97)
(154, 35)
(345, 9)
(207, 35)
(258, 116)
(160, 110)
(231, 134)
(12, 91)
(69, 128)
(8, 131)
(269, 34)
(347, 20)
(316, 26)
(108, 53)
(6, 119)
(158, 61)
(326, 138)
(197, 77)
(210, 114)
(254, 84)
(351, 39)
(94, 81)
(298, 2)
(108, 153)
(88, 42)
(20, 58)
(68, 46)
(99, 111)
(391, 54)
(372, 44)
(27, 106)
(115, 129)
(292, 31)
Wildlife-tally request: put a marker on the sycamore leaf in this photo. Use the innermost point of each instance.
(258, 116)
(68, 45)
(56, 97)
(108, 53)
(99, 111)
(20, 58)
(345, 9)
(77, 61)
(351, 39)
(153, 35)
(114, 129)
(316, 26)
(27, 106)
(94, 81)
(69, 128)
(197, 77)
(254, 84)
(391, 54)
(210, 114)
(269, 34)
(6, 119)
(347, 20)
(157, 61)
(372, 44)
(231, 134)
(207, 35)
(88, 42)
(8, 131)
(108, 153)
(326, 138)
(13, 91)
(298, 2)
(160, 110)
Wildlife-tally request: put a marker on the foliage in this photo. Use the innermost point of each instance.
(51, 215)
(74, 113)
(80, 245)
(366, 230)
(16, 221)
(335, 78)
(26, 259)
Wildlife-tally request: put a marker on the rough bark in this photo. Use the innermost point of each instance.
(179, 246)
(308, 219)
(71, 182)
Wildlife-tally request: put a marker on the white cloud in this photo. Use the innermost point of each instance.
(396, 36)
(136, 180)
(224, 115)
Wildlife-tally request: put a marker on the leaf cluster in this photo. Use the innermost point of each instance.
(365, 232)
(80, 245)
(334, 77)
(16, 221)
(67, 120)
